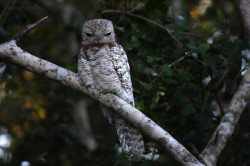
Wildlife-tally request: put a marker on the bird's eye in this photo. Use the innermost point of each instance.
(107, 34)
(88, 34)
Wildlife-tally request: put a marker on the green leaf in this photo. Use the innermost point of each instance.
(161, 93)
(167, 71)
(146, 85)
(158, 96)
(150, 59)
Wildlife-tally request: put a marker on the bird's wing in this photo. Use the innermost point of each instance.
(121, 66)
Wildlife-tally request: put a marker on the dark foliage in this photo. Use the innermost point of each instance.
(36, 114)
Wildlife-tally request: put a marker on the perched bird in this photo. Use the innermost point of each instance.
(103, 63)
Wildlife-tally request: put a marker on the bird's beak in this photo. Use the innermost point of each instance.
(98, 40)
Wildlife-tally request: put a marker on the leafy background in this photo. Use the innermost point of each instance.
(37, 114)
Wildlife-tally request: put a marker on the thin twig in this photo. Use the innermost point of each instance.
(216, 87)
(196, 59)
(179, 44)
(28, 28)
(170, 32)
(6, 11)
(170, 65)
(177, 61)
(188, 54)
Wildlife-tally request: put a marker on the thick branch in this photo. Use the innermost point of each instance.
(11, 52)
(228, 122)
(233, 113)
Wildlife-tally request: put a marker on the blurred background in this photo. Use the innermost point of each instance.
(45, 123)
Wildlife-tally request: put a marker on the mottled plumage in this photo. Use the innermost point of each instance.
(104, 64)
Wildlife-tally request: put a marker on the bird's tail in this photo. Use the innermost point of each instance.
(129, 137)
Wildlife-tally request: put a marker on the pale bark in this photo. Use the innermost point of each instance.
(10, 52)
(228, 122)
(245, 11)
(234, 111)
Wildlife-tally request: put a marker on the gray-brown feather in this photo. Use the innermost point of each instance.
(108, 65)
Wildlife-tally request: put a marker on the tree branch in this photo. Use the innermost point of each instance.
(179, 44)
(228, 122)
(244, 7)
(28, 28)
(233, 113)
(10, 52)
